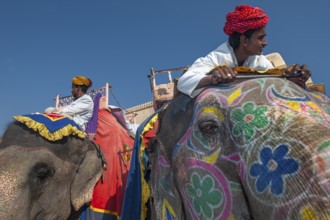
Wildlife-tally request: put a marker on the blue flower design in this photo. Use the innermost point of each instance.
(274, 165)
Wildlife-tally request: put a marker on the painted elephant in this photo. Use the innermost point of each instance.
(40, 179)
(259, 149)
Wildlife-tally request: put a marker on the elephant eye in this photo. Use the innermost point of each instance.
(42, 172)
(209, 126)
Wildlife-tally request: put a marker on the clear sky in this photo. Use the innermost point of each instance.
(44, 43)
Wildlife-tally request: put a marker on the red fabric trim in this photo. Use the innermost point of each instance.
(117, 146)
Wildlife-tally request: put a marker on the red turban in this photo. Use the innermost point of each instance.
(245, 18)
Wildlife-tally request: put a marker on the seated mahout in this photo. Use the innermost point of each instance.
(246, 27)
(81, 109)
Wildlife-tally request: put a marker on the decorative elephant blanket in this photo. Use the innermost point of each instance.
(116, 145)
(259, 149)
(51, 126)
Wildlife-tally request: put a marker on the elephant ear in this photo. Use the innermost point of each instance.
(89, 172)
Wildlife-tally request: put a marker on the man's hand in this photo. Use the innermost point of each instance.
(220, 76)
(298, 74)
(217, 76)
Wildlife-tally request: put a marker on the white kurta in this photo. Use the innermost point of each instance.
(81, 110)
(223, 55)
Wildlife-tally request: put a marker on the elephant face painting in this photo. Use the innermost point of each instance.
(45, 180)
(259, 149)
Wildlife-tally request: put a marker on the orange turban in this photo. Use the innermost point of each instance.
(82, 81)
(245, 18)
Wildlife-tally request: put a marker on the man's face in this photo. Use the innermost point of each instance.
(75, 91)
(255, 44)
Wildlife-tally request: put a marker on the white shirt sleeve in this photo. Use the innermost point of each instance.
(190, 79)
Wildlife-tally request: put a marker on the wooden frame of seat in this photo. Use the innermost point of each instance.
(161, 93)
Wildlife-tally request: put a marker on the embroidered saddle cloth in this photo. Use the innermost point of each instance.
(51, 126)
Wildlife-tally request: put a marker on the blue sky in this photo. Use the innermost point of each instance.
(44, 43)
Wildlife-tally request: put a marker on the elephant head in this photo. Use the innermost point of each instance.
(259, 149)
(41, 179)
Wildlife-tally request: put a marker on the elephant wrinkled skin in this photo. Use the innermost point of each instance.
(45, 180)
(259, 149)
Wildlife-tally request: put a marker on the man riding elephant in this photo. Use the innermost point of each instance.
(48, 168)
(246, 27)
(81, 109)
(254, 149)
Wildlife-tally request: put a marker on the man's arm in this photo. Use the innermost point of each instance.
(218, 76)
(200, 74)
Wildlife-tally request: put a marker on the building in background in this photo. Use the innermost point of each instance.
(137, 114)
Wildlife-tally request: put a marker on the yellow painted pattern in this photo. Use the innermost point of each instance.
(313, 106)
(167, 205)
(213, 158)
(231, 217)
(294, 105)
(308, 213)
(316, 96)
(234, 95)
(214, 111)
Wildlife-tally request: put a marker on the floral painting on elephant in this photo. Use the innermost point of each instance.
(259, 149)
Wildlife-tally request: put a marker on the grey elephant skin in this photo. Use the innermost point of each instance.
(40, 179)
(259, 149)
